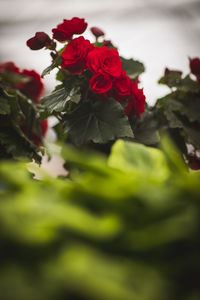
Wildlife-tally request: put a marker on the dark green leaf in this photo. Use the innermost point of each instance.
(132, 67)
(56, 101)
(54, 64)
(181, 114)
(17, 145)
(62, 74)
(61, 137)
(173, 119)
(145, 129)
(99, 122)
(4, 106)
(192, 135)
(189, 85)
(172, 79)
(188, 106)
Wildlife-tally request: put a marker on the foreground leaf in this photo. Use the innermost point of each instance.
(131, 157)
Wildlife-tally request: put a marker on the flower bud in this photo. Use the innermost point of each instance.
(39, 41)
(97, 32)
(108, 43)
(195, 66)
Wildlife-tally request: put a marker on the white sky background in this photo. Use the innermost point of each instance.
(157, 32)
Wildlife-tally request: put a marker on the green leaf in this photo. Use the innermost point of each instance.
(59, 132)
(172, 109)
(17, 145)
(188, 106)
(188, 130)
(4, 106)
(69, 91)
(132, 67)
(182, 112)
(73, 84)
(173, 156)
(18, 111)
(172, 79)
(173, 119)
(133, 157)
(62, 74)
(58, 100)
(163, 232)
(145, 129)
(193, 136)
(54, 64)
(99, 122)
(189, 85)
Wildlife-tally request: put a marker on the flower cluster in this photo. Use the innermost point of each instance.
(33, 86)
(30, 84)
(107, 78)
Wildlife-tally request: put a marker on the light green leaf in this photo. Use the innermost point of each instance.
(133, 157)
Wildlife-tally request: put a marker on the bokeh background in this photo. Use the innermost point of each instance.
(158, 33)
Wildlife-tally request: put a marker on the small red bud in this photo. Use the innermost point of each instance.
(97, 32)
(39, 41)
(195, 66)
(107, 43)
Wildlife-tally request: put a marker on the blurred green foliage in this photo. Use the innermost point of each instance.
(119, 228)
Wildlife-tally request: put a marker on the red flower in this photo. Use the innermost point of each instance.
(198, 78)
(40, 40)
(66, 30)
(122, 87)
(194, 162)
(137, 104)
(100, 83)
(75, 55)
(9, 67)
(195, 66)
(105, 61)
(43, 126)
(34, 87)
(96, 31)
